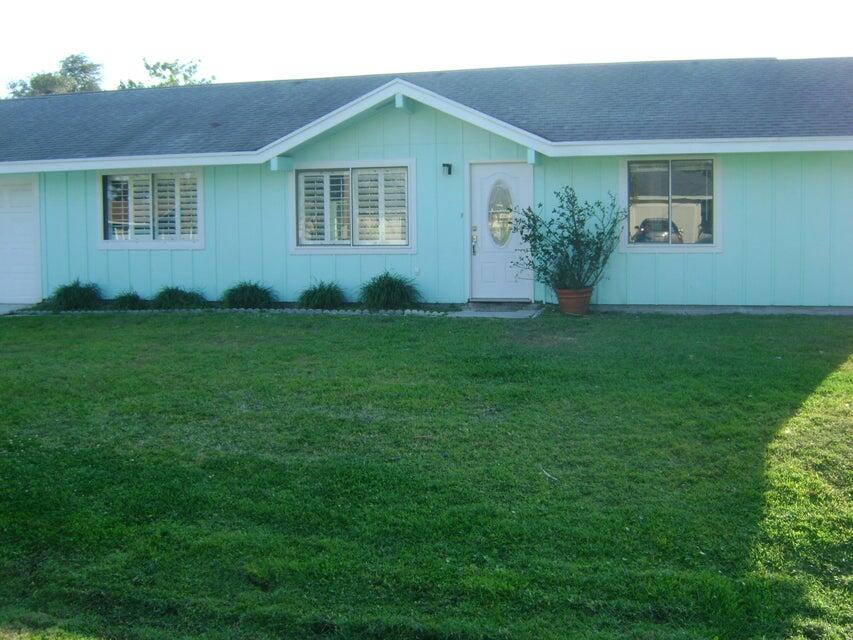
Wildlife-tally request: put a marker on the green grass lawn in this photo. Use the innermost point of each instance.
(260, 476)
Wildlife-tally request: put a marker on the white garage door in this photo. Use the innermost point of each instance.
(20, 266)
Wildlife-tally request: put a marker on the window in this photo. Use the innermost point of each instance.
(671, 202)
(151, 206)
(353, 207)
(500, 213)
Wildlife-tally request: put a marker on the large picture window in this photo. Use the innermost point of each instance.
(353, 207)
(151, 206)
(671, 202)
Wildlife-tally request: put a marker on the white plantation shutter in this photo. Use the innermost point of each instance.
(312, 225)
(358, 207)
(162, 206)
(381, 206)
(367, 198)
(188, 203)
(325, 207)
(396, 206)
(165, 206)
(340, 220)
(140, 186)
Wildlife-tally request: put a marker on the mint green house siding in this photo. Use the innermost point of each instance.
(785, 219)
(786, 224)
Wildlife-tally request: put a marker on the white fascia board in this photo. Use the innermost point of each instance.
(389, 92)
(701, 146)
(129, 162)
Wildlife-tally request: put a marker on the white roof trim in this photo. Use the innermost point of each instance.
(389, 90)
(702, 145)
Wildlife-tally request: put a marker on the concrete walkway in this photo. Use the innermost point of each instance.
(709, 310)
(506, 311)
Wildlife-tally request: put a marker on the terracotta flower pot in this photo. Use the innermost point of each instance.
(574, 301)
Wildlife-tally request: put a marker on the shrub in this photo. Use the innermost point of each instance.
(323, 295)
(248, 295)
(389, 291)
(129, 301)
(570, 248)
(76, 296)
(177, 298)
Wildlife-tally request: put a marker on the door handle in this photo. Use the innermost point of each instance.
(474, 243)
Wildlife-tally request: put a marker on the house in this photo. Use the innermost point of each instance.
(738, 175)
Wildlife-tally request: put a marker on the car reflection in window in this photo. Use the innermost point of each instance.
(655, 230)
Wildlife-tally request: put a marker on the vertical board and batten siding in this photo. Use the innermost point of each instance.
(787, 234)
(787, 224)
(249, 212)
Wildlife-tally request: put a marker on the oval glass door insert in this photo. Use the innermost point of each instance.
(500, 213)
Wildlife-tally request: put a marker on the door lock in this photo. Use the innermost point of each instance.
(474, 240)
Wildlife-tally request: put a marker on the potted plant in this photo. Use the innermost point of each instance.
(569, 249)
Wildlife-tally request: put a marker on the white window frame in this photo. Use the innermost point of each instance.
(318, 248)
(642, 247)
(156, 243)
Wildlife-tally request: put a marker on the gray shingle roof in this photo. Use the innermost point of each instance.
(590, 102)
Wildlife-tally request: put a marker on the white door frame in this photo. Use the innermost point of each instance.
(467, 220)
(36, 182)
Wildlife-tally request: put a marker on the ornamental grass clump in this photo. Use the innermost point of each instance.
(129, 301)
(76, 296)
(248, 295)
(390, 291)
(322, 295)
(177, 298)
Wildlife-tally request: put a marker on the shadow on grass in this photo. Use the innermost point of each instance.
(598, 478)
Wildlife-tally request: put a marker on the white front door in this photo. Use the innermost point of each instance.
(20, 272)
(497, 189)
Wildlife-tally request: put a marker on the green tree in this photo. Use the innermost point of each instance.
(76, 73)
(168, 74)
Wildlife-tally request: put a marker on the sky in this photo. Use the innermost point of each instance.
(249, 40)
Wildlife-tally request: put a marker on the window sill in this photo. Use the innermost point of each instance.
(151, 245)
(350, 250)
(670, 248)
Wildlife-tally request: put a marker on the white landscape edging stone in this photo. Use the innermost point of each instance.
(286, 311)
